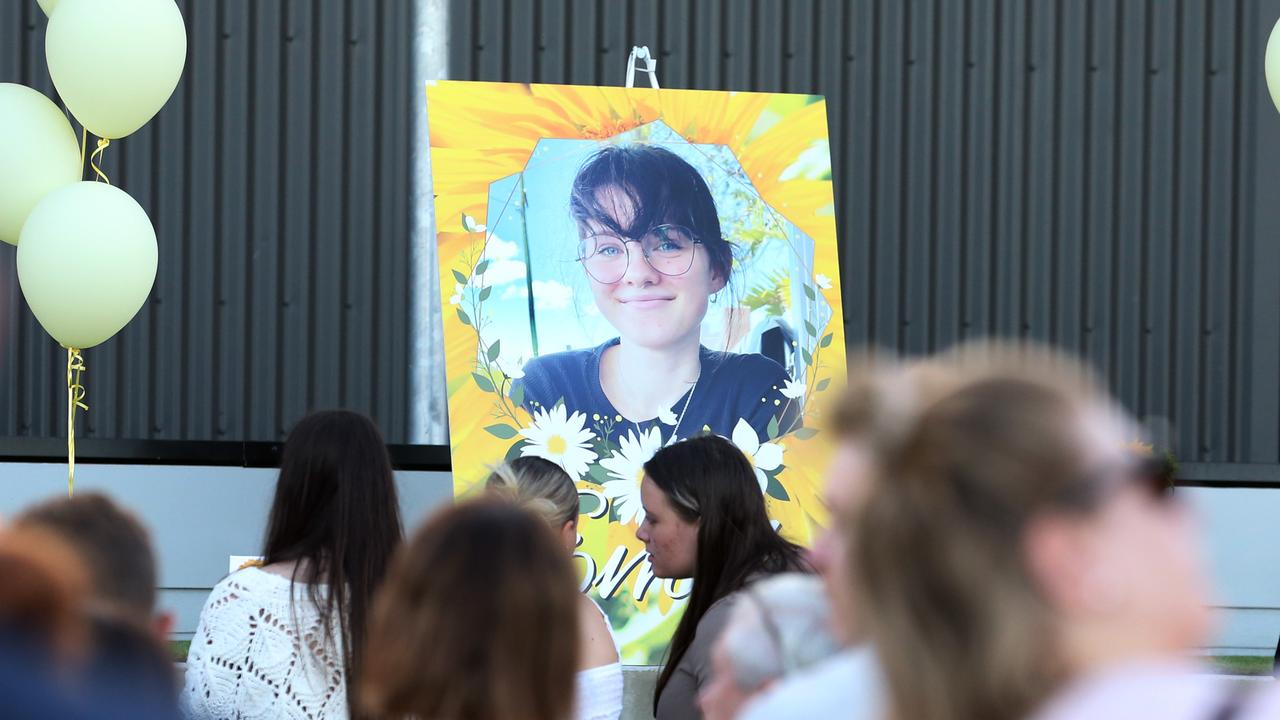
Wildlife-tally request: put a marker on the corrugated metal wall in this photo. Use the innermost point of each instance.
(1088, 172)
(278, 180)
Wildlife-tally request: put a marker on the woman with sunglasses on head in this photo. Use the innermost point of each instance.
(650, 244)
(1023, 562)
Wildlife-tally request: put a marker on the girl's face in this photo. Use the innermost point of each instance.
(671, 541)
(647, 308)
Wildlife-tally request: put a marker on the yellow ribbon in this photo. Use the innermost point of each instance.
(75, 399)
(84, 142)
(96, 157)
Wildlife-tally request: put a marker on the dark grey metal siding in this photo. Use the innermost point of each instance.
(278, 180)
(1094, 173)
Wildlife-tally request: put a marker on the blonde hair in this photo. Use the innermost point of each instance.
(539, 486)
(952, 610)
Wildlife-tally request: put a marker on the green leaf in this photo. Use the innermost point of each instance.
(484, 382)
(486, 292)
(480, 268)
(808, 359)
(809, 328)
(517, 393)
(773, 427)
(826, 340)
(808, 292)
(513, 452)
(494, 349)
(502, 431)
(597, 474)
(776, 491)
(462, 279)
(464, 317)
(805, 433)
(588, 504)
(822, 384)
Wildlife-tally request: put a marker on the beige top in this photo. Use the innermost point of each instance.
(679, 699)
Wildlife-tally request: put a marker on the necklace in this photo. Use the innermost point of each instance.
(675, 433)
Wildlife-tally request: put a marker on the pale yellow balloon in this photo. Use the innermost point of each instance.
(1271, 64)
(115, 63)
(38, 153)
(47, 6)
(86, 262)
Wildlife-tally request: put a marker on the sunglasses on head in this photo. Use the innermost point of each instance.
(1149, 474)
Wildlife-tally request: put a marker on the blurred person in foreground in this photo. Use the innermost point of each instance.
(779, 626)
(876, 408)
(129, 660)
(1024, 563)
(288, 639)
(478, 620)
(44, 630)
(545, 489)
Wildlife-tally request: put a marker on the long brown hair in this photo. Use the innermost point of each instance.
(709, 480)
(477, 621)
(952, 610)
(337, 515)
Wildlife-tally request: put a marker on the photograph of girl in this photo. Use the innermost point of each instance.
(651, 247)
(624, 269)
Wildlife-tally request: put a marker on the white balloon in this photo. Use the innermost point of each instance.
(1271, 64)
(39, 151)
(48, 5)
(115, 62)
(86, 262)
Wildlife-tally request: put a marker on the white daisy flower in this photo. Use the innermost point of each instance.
(822, 281)
(666, 417)
(626, 466)
(793, 390)
(764, 457)
(456, 297)
(560, 438)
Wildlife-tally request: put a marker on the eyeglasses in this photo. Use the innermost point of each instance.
(668, 249)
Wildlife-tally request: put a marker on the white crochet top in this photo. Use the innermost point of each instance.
(600, 688)
(256, 654)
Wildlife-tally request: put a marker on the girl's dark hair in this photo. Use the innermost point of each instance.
(662, 187)
(708, 479)
(478, 620)
(336, 514)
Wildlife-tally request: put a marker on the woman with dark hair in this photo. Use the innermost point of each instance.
(651, 246)
(705, 519)
(477, 621)
(288, 639)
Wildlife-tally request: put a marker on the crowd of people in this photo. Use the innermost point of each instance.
(997, 550)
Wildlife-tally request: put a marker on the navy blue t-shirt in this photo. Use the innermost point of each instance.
(731, 386)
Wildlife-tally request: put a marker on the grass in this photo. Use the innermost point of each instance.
(179, 649)
(1241, 664)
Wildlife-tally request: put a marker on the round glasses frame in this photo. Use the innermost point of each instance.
(584, 257)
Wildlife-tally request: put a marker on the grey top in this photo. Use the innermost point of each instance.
(679, 699)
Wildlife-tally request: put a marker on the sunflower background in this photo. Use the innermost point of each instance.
(483, 132)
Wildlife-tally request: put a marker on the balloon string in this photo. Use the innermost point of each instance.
(96, 157)
(84, 144)
(75, 400)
